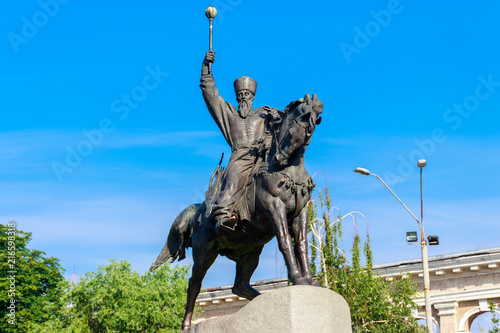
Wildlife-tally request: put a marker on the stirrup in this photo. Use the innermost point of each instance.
(226, 224)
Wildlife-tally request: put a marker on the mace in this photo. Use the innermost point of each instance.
(211, 13)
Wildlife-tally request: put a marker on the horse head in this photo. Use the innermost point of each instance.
(295, 129)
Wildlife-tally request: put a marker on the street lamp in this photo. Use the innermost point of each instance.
(410, 237)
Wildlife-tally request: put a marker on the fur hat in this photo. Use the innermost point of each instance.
(245, 83)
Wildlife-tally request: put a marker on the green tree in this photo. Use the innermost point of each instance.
(494, 319)
(377, 305)
(29, 281)
(118, 299)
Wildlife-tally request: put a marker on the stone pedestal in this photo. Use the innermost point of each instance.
(295, 309)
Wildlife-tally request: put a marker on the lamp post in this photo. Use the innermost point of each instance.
(425, 261)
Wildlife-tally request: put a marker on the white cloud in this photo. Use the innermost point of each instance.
(97, 219)
(25, 143)
(148, 138)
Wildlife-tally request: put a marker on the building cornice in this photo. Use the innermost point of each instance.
(441, 267)
(445, 267)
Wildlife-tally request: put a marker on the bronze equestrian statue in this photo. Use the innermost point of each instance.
(275, 188)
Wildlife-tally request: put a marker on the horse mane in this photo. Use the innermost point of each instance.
(275, 124)
(291, 106)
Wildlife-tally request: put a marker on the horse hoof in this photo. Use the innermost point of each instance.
(313, 283)
(301, 282)
(245, 291)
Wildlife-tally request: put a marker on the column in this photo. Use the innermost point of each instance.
(447, 316)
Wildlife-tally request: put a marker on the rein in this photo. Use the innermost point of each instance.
(292, 123)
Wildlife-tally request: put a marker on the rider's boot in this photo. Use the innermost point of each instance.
(226, 224)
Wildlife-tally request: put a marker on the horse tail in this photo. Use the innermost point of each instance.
(179, 237)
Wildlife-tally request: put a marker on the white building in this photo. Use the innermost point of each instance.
(462, 284)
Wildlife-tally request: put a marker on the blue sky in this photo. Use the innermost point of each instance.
(105, 136)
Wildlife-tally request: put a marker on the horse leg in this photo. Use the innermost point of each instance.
(299, 230)
(245, 266)
(277, 216)
(204, 256)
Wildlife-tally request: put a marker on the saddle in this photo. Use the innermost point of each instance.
(242, 209)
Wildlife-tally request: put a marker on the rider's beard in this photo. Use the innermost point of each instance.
(245, 106)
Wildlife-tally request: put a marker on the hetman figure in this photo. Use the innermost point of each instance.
(245, 131)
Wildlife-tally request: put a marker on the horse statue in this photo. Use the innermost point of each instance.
(276, 204)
